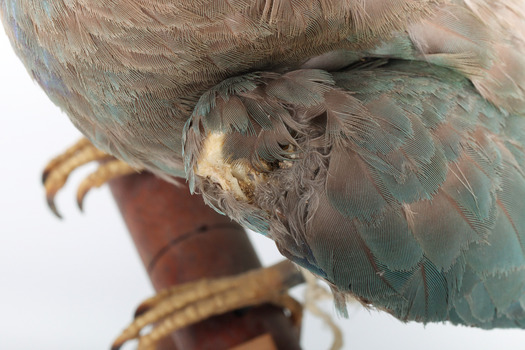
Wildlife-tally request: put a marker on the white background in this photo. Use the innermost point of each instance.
(74, 284)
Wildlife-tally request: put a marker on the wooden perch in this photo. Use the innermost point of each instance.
(180, 239)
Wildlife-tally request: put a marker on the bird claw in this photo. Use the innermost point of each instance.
(57, 171)
(184, 305)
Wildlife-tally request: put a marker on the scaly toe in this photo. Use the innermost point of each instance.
(58, 170)
(107, 171)
(184, 305)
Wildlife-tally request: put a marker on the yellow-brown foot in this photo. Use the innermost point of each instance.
(58, 169)
(183, 305)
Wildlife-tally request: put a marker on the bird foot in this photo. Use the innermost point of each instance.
(180, 306)
(58, 170)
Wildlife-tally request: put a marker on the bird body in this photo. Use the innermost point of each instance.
(379, 143)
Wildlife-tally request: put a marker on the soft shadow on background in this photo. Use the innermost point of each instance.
(74, 283)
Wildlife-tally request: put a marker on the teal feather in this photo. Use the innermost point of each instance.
(405, 222)
(384, 140)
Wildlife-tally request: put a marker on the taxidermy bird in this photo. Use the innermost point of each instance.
(379, 143)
